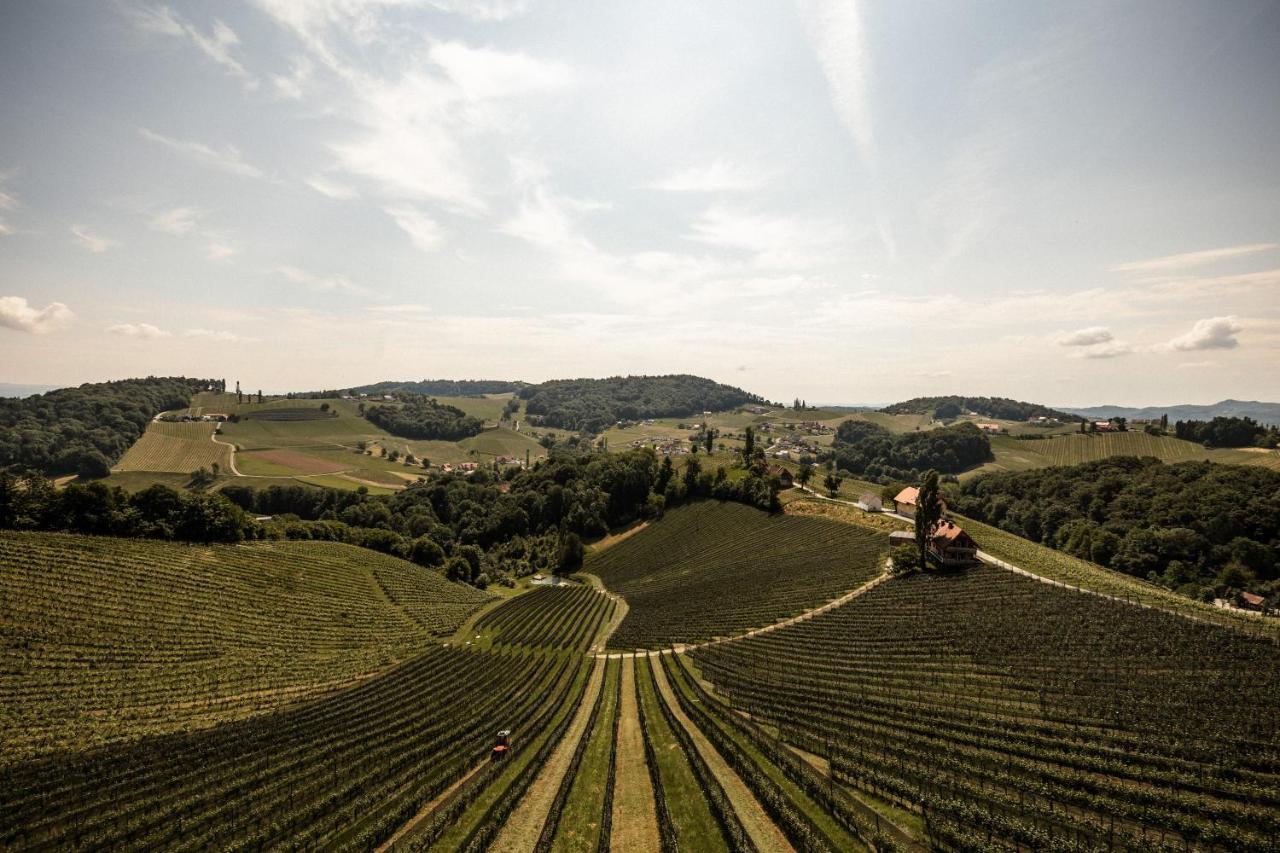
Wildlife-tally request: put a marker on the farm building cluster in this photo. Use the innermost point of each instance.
(949, 546)
(217, 417)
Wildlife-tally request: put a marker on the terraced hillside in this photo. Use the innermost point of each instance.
(106, 639)
(1020, 713)
(712, 569)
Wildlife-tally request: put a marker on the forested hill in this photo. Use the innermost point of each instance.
(85, 430)
(991, 407)
(593, 404)
(429, 387)
(1200, 528)
(422, 417)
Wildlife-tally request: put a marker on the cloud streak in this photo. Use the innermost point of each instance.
(90, 241)
(1188, 260)
(836, 31)
(227, 159)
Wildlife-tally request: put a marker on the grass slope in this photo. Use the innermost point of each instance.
(105, 639)
(710, 569)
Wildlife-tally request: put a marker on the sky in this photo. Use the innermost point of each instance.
(1072, 203)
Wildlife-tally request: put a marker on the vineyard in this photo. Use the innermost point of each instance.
(343, 772)
(1064, 568)
(107, 639)
(299, 695)
(1025, 713)
(560, 616)
(175, 446)
(1012, 454)
(712, 569)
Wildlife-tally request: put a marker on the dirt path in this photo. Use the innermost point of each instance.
(524, 825)
(231, 453)
(619, 613)
(763, 831)
(635, 815)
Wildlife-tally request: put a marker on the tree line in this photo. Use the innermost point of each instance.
(85, 430)
(1201, 528)
(1228, 432)
(478, 529)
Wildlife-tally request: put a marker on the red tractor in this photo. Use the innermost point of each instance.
(503, 745)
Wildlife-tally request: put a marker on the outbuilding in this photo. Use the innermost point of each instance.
(906, 501)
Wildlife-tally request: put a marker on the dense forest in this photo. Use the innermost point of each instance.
(1003, 408)
(429, 387)
(423, 418)
(85, 430)
(870, 451)
(478, 529)
(1200, 528)
(1228, 432)
(595, 404)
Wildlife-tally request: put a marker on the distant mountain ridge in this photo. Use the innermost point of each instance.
(1266, 413)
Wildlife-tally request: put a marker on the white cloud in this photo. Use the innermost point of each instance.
(422, 230)
(138, 330)
(227, 159)
(716, 176)
(1173, 263)
(1210, 333)
(176, 220)
(16, 314)
(217, 251)
(291, 86)
(321, 284)
(8, 201)
(332, 189)
(217, 44)
(1115, 349)
(483, 73)
(835, 28)
(212, 335)
(1086, 337)
(770, 238)
(90, 241)
(483, 10)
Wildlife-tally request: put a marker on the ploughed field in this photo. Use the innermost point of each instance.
(106, 639)
(714, 569)
(1017, 712)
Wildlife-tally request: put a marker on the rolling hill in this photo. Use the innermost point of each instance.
(107, 639)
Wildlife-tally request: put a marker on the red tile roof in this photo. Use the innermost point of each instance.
(909, 495)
